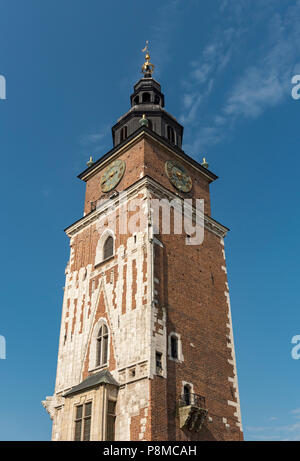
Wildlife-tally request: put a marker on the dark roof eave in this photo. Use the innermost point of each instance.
(93, 381)
(177, 149)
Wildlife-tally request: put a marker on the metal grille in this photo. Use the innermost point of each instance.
(195, 400)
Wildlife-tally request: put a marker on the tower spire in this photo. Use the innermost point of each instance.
(148, 67)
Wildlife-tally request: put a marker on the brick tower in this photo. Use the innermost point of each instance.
(146, 346)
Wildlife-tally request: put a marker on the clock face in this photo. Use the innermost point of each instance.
(112, 175)
(178, 176)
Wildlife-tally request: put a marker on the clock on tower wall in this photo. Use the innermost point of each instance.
(116, 173)
(178, 174)
(112, 175)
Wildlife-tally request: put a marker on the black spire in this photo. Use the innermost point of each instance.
(147, 102)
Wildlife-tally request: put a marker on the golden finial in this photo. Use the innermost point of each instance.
(147, 67)
(90, 162)
(204, 163)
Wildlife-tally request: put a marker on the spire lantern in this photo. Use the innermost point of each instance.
(147, 110)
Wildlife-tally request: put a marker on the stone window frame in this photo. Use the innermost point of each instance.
(82, 400)
(112, 416)
(159, 363)
(180, 357)
(94, 346)
(190, 385)
(99, 258)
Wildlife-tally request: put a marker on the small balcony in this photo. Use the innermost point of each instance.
(195, 400)
(192, 411)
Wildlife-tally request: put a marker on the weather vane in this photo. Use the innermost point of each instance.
(147, 67)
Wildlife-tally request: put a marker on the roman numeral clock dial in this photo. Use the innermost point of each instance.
(178, 176)
(112, 175)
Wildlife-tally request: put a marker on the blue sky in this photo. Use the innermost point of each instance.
(225, 68)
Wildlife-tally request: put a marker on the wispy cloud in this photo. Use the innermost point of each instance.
(288, 432)
(161, 33)
(264, 81)
(296, 413)
(204, 72)
(92, 142)
(268, 82)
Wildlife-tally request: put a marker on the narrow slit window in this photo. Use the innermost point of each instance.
(174, 347)
(123, 134)
(170, 134)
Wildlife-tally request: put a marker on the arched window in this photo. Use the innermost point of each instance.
(108, 248)
(102, 346)
(170, 134)
(174, 347)
(156, 99)
(187, 394)
(146, 97)
(123, 134)
(136, 100)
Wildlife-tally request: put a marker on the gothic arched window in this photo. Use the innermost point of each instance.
(108, 248)
(102, 346)
(170, 134)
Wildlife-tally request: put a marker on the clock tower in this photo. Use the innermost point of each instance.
(146, 348)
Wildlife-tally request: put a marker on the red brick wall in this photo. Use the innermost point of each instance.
(192, 286)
